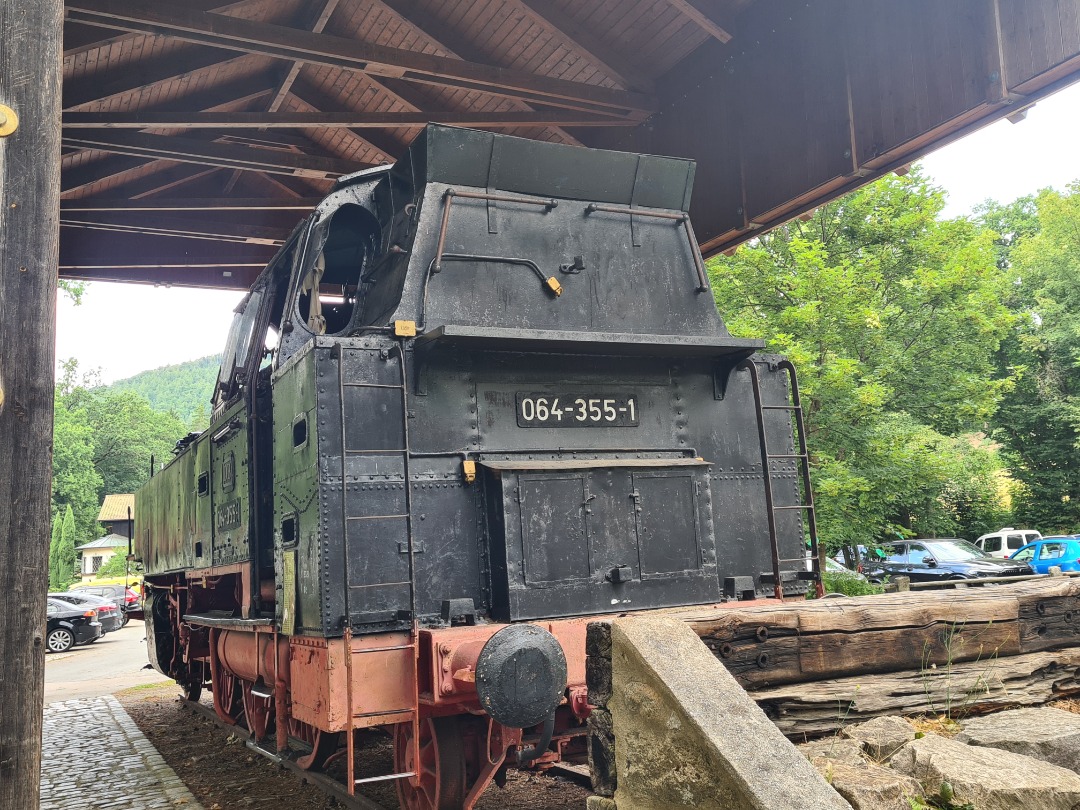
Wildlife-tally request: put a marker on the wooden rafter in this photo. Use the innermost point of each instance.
(588, 43)
(83, 38)
(138, 119)
(704, 17)
(266, 39)
(189, 204)
(191, 150)
(75, 178)
(223, 229)
(317, 27)
(91, 88)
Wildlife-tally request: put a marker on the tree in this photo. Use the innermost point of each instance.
(54, 554)
(115, 566)
(65, 556)
(893, 318)
(1039, 420)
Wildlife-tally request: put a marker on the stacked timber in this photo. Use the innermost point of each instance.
(815, 666)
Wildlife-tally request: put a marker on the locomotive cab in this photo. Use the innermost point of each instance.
(484, 386)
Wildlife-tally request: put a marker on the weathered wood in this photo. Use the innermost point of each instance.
(265, 39)
(138, 119)
(206, 153)
(29, 232)
(809, 710)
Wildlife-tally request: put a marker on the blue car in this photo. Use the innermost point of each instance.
(1062, 551)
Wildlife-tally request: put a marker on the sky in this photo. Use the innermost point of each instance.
(122, 329)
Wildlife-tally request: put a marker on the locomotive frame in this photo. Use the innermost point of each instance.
(498, 400)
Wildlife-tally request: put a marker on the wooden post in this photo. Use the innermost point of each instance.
(30, 76)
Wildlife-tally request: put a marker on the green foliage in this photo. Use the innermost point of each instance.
(65, 554)
(103, 440)
(893, 318)
(1039, 420)
(848, 584)
(185, 389)
(54, 554)
(115, 566)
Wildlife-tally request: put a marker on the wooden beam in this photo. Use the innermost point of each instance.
(190, 150)
(206, 277)
(316, 27)
(79, 177)
(87, 88)
(189, 204)
(586, 42)
(704, 17)
(138, 119)
(155, 224)
(266, 39)
(80, 248)
(30, 79)
(79, 38)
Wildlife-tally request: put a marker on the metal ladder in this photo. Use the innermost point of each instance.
(413, 714)
(807, 506)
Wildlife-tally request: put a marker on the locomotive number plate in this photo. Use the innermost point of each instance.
(577, 410)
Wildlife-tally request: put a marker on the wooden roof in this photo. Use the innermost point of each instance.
(197, 132)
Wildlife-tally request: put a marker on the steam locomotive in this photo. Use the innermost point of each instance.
(476, 398)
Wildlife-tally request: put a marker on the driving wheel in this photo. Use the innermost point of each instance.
(439, 765)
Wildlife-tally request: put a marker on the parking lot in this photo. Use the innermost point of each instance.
(116, 661)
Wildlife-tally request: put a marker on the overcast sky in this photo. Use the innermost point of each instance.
(123, 329)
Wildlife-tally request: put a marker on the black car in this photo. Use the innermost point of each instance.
(938, 560)
(109, 615)
(69, 625)
(120, 595)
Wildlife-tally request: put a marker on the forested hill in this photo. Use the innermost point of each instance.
(184, 389)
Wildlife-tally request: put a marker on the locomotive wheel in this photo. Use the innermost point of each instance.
(191, 687)
(191, 691)
(441, 782)
(258, 711)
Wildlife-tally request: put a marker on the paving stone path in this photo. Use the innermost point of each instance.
(93, 755)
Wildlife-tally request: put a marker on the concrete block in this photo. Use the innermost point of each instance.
(1045, 733)
(881, 737)
(988, 778)
(687, 735)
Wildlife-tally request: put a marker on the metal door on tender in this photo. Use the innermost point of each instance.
(665, 506)
(554, 547)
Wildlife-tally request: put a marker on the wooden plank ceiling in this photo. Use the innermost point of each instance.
(196, 133)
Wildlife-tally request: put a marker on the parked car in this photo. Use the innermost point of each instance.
(939, 560)
(111, 617)
(1060, 550)
(1005, 542)
(68, 625)
(123, 597)
(833, 567)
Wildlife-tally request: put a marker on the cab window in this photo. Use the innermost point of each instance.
(916, 553)
(1052, 551)
(1026, 554)
(896, 553)
(331, 289)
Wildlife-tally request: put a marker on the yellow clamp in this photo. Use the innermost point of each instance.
(554, 285)
(469, 470)
(9, 120)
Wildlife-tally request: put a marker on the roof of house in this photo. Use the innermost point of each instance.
(108, 541)
(115, 507)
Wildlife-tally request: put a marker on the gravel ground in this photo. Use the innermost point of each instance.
(224, 774)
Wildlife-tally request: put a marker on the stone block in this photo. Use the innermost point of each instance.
(833, 749)
(870, 787)
(881, 737)
(687, 735)
(1052, 735)
(602, 752)
(988, 778)
(599, 803)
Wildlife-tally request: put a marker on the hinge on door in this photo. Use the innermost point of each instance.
(636, 496)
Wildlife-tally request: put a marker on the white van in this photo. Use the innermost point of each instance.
(1006, 542)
